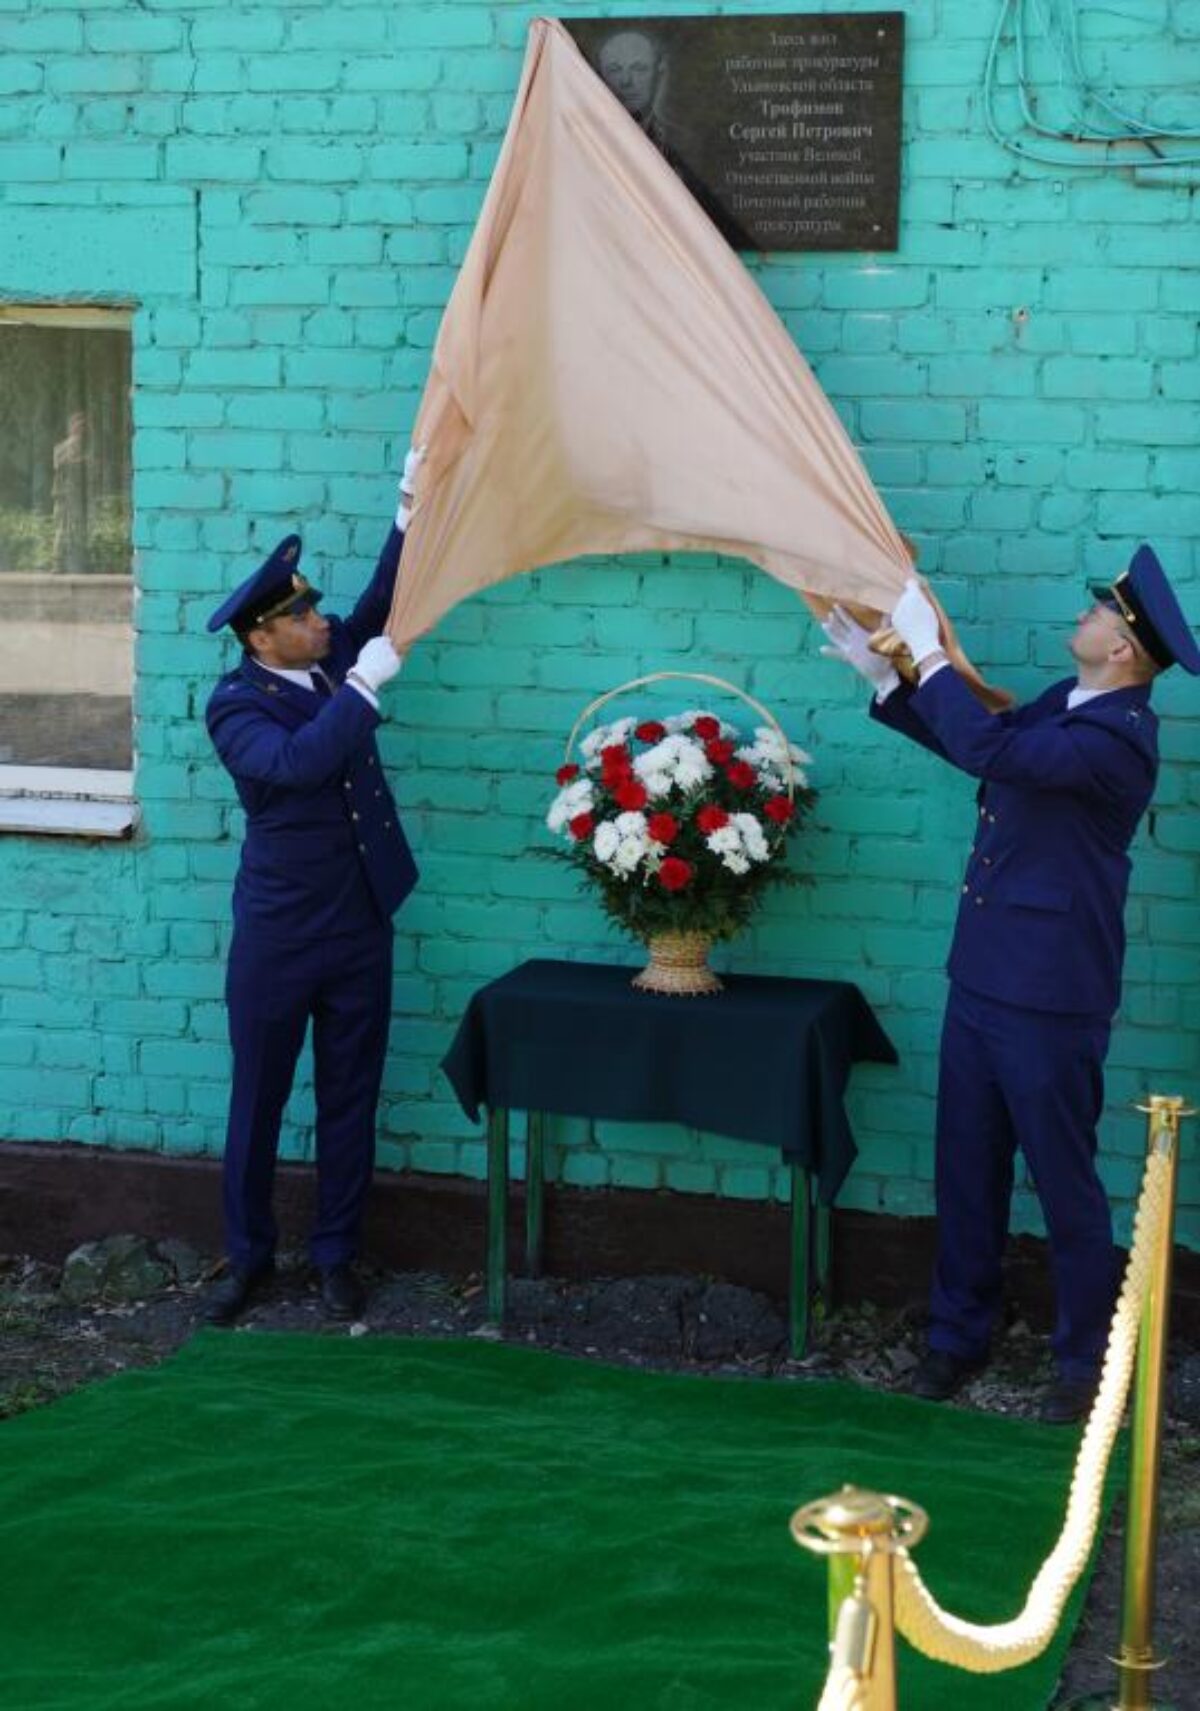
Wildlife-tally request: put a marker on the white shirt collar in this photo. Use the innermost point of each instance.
(307, 680)
(303, 678)
(1077, 696)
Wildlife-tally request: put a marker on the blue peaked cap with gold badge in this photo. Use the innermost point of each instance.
(1147, 602)
(275, 588)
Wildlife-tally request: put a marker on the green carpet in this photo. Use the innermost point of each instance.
(304, 1523)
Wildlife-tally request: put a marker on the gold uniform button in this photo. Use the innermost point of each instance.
(355, 815)
(979, 901)
(362, 849)
(966, 887)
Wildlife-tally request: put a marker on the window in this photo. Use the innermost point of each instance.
(66, 583)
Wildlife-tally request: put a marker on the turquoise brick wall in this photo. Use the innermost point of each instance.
(285, 191)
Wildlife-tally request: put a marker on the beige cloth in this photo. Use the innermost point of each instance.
(608, 378)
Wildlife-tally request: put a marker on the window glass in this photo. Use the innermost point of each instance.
(66, 586)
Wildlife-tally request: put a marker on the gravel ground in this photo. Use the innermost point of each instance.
(55, 1337)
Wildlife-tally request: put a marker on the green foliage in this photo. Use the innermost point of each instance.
(716, 907)
(28, 539)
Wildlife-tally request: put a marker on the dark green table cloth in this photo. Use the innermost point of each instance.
(765, 1060)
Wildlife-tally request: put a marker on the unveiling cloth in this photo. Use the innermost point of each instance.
(609, 378)
(767, 1061)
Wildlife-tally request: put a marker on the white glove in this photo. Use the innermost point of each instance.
(377, 664)
(413, 460)
(916, 623)
(850, 642)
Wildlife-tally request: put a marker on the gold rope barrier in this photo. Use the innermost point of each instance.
(866, 1527)
(859, 1532)
(1137, 1661)
(844, 1690)
(987, 1649)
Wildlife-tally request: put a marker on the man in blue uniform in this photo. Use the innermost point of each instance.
(1035, 966)
(324, 866)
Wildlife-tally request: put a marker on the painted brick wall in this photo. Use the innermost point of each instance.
(286, 191)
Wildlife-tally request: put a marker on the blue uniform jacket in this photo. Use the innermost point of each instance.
(1041, 917)
(320, 818)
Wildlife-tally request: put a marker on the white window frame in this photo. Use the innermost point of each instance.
(68, 801)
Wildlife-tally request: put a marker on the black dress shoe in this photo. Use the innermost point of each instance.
(342, 1295)
(230, 1298)
(1068, 1400)
(941, 1375)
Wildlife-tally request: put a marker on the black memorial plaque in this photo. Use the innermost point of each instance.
(786, 128)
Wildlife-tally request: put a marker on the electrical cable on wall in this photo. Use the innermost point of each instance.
(1095, 119)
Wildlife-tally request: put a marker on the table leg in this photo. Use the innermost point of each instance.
(497, 1214)
(824, 1253)
(535, 1178)
(801, 1259)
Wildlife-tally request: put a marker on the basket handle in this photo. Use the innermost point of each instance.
(692, 677)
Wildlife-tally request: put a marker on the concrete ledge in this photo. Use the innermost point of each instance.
(54, 1197)
(57, 251)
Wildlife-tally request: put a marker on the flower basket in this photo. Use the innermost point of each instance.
(679, 825)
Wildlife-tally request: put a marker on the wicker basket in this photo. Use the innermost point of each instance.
(679, 960)
(678, 964)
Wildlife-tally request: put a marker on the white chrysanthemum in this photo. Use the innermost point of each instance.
(605, 842)
(629, 853)
(658, 759)
(776, 762)
(606, 736)
(685, 721)
(578, 797)
(675, 761)
(726, 840)
(726, 844)
(692, 766)
(753, 838)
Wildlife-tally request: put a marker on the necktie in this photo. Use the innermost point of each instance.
(320, 683)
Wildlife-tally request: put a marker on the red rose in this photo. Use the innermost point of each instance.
(663, 828)
(674, 874)
(779, 809)
(630, 794)
(741, 775)
(582, 826)
(719, 750)
(565, 774)
(650, 731)
(705, 727)
(712, 819)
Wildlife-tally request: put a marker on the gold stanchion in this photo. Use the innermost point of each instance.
(1137, 1662)
(858, 1531)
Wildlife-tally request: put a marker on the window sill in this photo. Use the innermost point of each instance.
(66, 802)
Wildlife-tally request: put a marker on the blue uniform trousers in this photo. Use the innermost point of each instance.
(343, 983)
(1014, 1078)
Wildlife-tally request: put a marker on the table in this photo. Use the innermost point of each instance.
(765, 1060)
